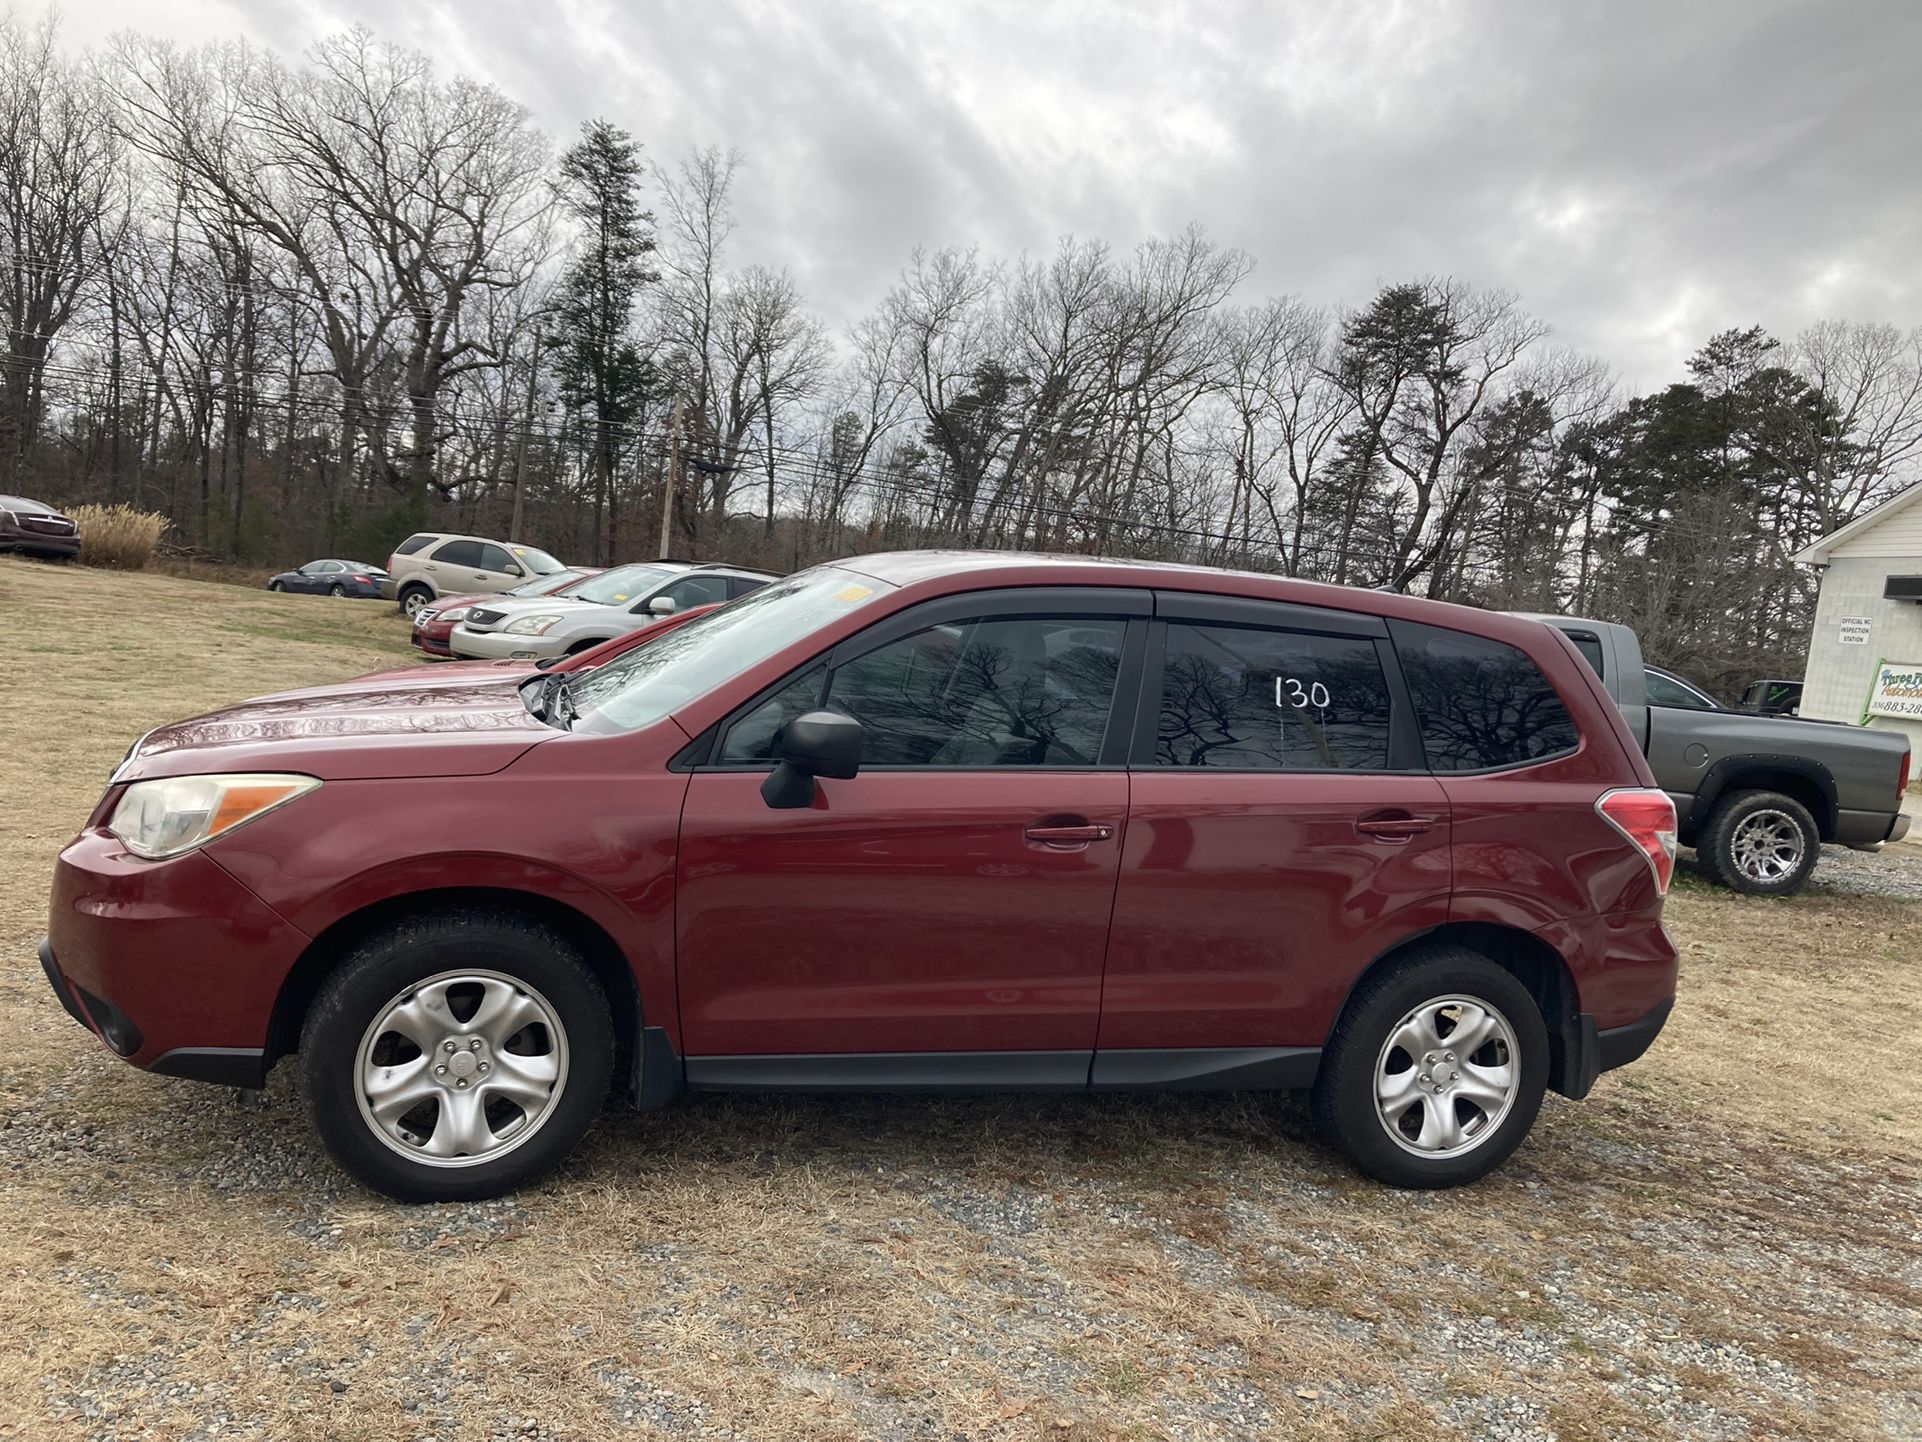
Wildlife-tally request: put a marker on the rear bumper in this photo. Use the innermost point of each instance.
(173, 965)
(1869, 830)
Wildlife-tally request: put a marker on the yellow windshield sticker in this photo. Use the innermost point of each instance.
(622, 596)
(854, 593)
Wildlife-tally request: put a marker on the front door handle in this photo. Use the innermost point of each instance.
(1395, 828)
(1069, 834)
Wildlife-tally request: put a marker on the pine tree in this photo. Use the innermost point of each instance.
(603, 372)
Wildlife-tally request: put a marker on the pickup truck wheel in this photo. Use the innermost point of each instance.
(1759, 842)
(1435, 1072)
(457, 1055)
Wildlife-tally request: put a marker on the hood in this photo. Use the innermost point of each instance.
(385, 725)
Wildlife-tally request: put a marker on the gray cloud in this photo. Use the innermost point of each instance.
(1641, 173)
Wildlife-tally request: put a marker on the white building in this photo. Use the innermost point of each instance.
(1865, 655)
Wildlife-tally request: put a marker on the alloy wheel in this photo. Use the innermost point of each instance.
(461, 1068)
(1447, 1076)
(1767, 846)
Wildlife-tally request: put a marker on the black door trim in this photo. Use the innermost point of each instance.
(1206, 1068)
(893, 1071)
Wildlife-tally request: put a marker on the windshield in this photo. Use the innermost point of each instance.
(542, 585)
(623, 583)
(644, 685)
(539, 562)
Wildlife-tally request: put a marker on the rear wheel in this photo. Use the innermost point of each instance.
(337, 590)
(456, 1056)
(412, 598)
(1435, 1071)
(1759, 842)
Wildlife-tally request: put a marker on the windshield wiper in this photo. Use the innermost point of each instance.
(552, 701)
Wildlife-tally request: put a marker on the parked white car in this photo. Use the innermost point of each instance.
(611, 604)
(431, 564)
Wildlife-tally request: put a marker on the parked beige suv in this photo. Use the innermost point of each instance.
(429, 564)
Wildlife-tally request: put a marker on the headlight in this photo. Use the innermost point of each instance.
(459, 613)
(532, 625)
(173, 814)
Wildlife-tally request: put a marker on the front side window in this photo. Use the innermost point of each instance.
(1243, 698)
(493, 558)
(1481, 704)
(692, 591)
(981, 693)
(1668, 691)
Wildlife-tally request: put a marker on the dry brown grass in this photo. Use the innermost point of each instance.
(120, 538)
(1014, 1268)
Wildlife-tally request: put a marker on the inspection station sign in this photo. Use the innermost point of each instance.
(1855, 630)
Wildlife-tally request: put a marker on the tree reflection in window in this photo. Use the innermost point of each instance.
(1252, 699)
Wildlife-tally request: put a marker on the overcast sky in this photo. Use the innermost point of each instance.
(1643, 174)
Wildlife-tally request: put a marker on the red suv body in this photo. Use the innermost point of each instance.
(925, 821)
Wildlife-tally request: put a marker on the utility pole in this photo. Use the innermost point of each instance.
(527, 424)
(671, 480)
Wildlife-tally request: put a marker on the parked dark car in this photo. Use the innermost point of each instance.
(333, 578)
(919, 822)
(1773, 698)
(36, 529)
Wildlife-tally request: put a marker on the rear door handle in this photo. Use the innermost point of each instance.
(1079, 834)
(1394, 828)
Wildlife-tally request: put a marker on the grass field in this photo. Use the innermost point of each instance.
(1723, 1241)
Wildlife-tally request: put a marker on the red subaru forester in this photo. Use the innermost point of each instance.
(920, 822)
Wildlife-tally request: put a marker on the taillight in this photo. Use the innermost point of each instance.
(1647, 819)
(1902, 781)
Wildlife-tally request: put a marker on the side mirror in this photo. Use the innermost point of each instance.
(514, 570)
(820, 743)
(661, 605)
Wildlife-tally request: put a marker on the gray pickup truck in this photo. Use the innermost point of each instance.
(1754, 795)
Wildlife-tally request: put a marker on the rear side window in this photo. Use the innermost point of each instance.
(413, 544)
(1243, 698)
(1590, 645)
(1480, 704)
(741, 585)
(460, 553)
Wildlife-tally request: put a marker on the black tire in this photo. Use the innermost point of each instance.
(1343, 1102)
(337, 590)
(413, 597)
(528, 958)
(1731, 844)
(275, 586)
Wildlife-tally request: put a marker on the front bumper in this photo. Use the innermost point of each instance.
(30, 544)
(499, 645)
(432, 645)
(173, 965)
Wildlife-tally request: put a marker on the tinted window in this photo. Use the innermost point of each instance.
(1590, 645)
(755, 736)
(693, 591)
(460, 553)
(493, 558)
(1667, 691)
(413, 544)
(1480, 703)
(1026, 692)
(741, 585)
(1249, 699)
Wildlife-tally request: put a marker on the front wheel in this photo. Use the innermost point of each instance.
(456, 1056)
(1759, 842)
(275, 586)
(1435, 1071)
